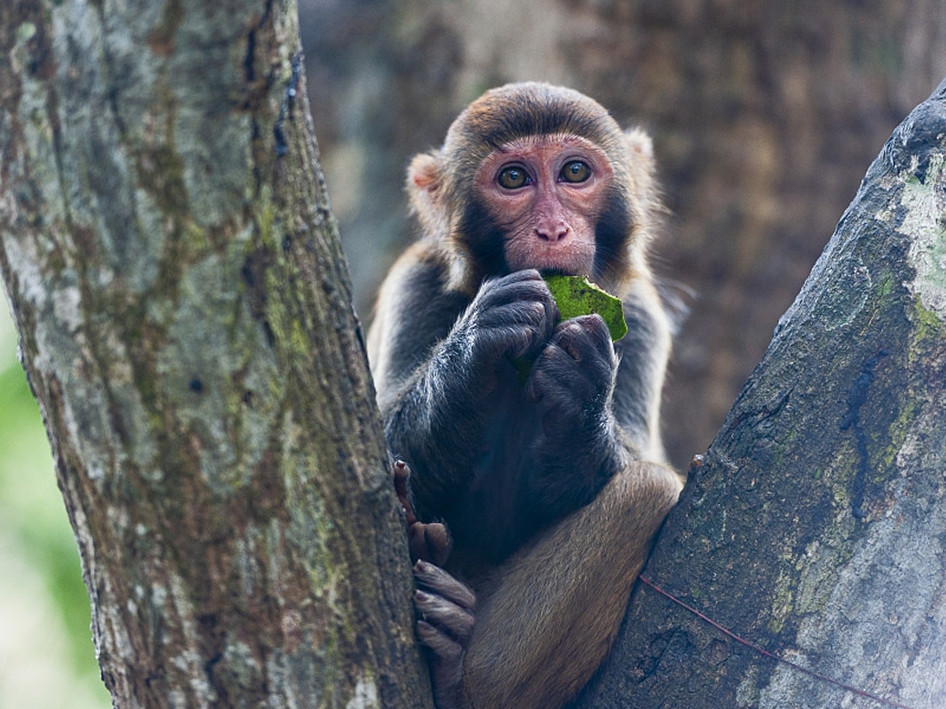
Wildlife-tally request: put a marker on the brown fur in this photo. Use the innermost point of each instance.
(575, 581)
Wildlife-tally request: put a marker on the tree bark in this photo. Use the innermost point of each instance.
(815, 525)
(186, 324)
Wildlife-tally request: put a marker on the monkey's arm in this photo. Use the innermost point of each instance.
(439, 381)
(643, 354)
(414, 312)
(553, 609)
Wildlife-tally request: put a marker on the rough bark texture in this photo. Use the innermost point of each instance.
(816, 526)
(186, 323)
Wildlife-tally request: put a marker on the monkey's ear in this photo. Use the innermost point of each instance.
(426, 190)
(643, 165)
(640, 143)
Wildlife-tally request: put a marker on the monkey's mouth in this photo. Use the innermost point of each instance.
(546, 272)
(556, 265)
(560, 267)
(569, 257)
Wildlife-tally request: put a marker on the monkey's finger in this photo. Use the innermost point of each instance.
(515, 338)
(446, 665)
(444, 646)
(520, 312)
(444, 615)
(429, 542)
(596, 327)
(517, 287)
(585, 332)
(401, 474)
(417, 542)
(439, 544)
(438, 581)
(554, 371)
(525, 303)
(499, 289)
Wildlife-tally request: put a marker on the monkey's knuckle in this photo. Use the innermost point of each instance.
(529, 312)
(568, 332)
(526, 274)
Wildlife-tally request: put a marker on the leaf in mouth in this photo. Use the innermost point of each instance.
(575, 296)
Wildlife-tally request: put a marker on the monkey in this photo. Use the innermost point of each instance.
(551, 485)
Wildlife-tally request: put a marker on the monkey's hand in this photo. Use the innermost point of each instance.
(446, 613)
(426, 541)
(573, 378)
(571, 383)
(441, 417)
(510, 318)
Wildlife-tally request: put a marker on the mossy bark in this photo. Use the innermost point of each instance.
(815, 525)
(186, 324)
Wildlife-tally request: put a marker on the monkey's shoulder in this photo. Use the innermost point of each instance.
(418, 286)
(415, 310)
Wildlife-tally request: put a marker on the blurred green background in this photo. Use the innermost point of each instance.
(47, 659)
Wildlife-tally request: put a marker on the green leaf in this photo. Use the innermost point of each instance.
(575, 296)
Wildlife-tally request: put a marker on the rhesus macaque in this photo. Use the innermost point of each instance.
(551, 485)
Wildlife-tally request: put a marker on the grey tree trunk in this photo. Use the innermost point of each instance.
(186, 323)
(815, 526)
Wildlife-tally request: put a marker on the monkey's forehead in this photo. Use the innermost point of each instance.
(514, 111)
(561, 140)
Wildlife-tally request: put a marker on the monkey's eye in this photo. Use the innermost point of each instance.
(576, 171)
(513, 177)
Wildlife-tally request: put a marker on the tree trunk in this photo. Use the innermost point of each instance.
(186, 323)
(815, 526)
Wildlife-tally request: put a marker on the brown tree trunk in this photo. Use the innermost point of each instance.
(186, 323)
(815, 525)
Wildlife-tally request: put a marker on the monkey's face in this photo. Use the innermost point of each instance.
(545, 195)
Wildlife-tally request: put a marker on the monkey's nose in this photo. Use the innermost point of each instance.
(552, 232)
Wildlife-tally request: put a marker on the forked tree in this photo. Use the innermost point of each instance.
(186, 323)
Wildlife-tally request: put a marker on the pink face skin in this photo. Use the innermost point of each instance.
(546, 193)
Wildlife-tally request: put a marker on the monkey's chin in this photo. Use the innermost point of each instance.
(557, 261)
